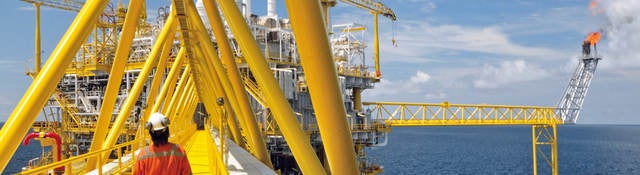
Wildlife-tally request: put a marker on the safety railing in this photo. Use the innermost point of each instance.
(67, 163)
(355, 71)
(254, 90)
(445, 114)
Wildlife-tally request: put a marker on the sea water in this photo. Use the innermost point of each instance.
(582, 149)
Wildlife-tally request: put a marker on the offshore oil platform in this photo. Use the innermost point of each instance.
(245, 93)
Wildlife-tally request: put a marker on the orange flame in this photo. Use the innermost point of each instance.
(593, 38)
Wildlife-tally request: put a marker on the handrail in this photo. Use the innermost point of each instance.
(67, 162)
(445, 114)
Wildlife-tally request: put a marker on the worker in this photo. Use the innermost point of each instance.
(163, 157)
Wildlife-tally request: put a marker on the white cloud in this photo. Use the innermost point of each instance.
(420, 77)
(508, 72)
(435, 95)
(483, 40)
(414, 85)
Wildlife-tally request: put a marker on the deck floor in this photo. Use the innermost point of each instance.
(196, 148)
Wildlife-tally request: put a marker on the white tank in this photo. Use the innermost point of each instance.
(271, 8)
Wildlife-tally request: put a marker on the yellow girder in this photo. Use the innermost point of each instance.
(445, 114)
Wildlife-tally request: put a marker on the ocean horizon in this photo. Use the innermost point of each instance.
(582, 149)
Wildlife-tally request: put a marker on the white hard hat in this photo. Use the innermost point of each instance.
(157, 122)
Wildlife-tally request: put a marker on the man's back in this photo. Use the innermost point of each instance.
(166, 159)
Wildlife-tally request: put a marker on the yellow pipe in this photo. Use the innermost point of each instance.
(251, 125)
(217, 81)
(170, 82)
(206, 87)
(37, 48)
(554, 151)
(182, 102)
(133, 95)
(44, 84)
(169, 100)
(296, 138)
(158, 76)
(376, 45)
(321, 76)
(182, 88)
(212, 107)
(534, 145)
(115, 78)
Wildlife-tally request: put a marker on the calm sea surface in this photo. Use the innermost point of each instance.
(583, 149)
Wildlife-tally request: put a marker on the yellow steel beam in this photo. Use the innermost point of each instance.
(170, 99)
(37, 48)
(222, 88)
(158, 77)
(251, 125)
(545, 135)
(133, 95)
(184, 86)
(534, 149)
(322, 79)
(44, 84)
(170, 82)
(115, 77)
(445, 114)
(208, 97)
(293, 133)
(213, 72)
(376, 46)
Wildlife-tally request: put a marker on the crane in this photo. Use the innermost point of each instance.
(68, 5)
(375, 8)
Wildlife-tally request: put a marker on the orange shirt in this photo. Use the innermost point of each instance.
(166, 159)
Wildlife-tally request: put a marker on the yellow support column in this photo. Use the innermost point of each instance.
(37, 48)
(283, 114)
(213, 69)
(44, 84)
(534, 144)
(251, 125)
(170, 82)
(158, 76)
(376, 45)
(213, 83)
(115, 78)
(321, 76)
(554, 151)
(133, 95)
(182, 89)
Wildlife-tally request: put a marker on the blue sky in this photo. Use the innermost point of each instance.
(495, 52)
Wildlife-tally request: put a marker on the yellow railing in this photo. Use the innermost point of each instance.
(254, 90)
(445, 114)
(67, 163)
